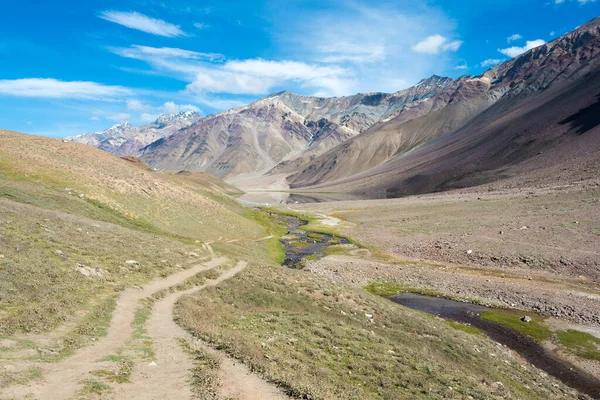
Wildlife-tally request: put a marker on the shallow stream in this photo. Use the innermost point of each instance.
(301, 245)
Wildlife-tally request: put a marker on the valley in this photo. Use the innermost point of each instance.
(437, 242)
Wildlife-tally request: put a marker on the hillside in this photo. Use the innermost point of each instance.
(96, 251)
(281, 131)
(541, 101)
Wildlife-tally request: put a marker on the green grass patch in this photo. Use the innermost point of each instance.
(388, 288)
(299, 245)
(536, 328)
(462, 327)
(581, 344)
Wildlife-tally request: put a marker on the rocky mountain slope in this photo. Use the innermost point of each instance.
(124, 139)
(480, 127)
(283, 130)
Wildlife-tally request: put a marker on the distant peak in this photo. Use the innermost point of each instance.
(282, 93)
(181, 115)
(433, 79)
(122, 125)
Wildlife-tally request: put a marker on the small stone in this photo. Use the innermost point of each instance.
(523, 228)
(131, 262)
(1, 255)
(81, 196)
(526, 318)
(469, 252)
(152, 364)
(59, 253)
(369, 316)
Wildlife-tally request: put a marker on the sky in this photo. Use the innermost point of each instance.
(69, 66)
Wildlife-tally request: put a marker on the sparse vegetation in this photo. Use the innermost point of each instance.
(205, 381)
(316, 340)
(581, 344)
(388, 288)
(465, 328)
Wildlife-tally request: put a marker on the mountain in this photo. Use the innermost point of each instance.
(280, 132)
(542, 104)
(124, 139)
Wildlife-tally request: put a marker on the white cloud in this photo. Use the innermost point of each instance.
(515, 50)
(513, 38)
(172, 108)
(552, 33)
(94, 118)
(146, 53)
(201, 25)
(141, 22)
(462, 66)
(262, 76)
(118, 117)
(136, 105)
(147, 117)
(150, 113)
(53, 88)
(490, 62)
(435, 44)
(582, 2)
(350, 48)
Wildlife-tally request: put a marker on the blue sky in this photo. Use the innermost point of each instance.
(70, 66)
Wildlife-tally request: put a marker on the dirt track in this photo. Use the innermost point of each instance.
(169, 378)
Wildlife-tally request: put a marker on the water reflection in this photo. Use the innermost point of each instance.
(274, 198)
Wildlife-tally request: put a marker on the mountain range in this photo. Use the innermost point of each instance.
(518, 118)
(124, 139)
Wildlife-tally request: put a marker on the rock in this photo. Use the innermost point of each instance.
(153, 364)
(526, 318)
(131, 262)
(81, 196)
(59, 253)
(523, 228)
(369, 316)
(469, 252)
(90, 272)
(192, 254)
(1, 256)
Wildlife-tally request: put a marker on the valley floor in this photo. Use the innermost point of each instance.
(530, 250)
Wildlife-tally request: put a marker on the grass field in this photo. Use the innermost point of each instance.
(77, 226)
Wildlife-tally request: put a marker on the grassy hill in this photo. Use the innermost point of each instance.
(78, 225)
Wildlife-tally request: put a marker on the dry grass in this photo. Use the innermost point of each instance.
(312, 337)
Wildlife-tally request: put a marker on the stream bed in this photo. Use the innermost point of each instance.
(525, 346)
(301, 246)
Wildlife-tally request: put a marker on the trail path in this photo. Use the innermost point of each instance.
(170, 378)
